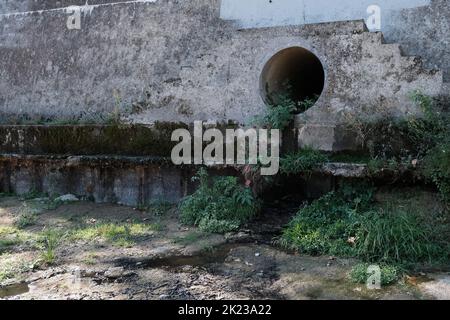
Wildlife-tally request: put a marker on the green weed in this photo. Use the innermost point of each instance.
(222, 206)
(303, 161)
(389, 274)
(350, 224)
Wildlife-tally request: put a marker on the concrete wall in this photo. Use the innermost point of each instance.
(421, 26)
(103, 180)
(177, 60)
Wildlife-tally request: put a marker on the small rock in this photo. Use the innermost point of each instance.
(89, 273)
(257, 254)
(164, 297)
(237, 237)
(114, 272)
(67, 198)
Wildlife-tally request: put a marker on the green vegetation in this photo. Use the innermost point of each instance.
(280, 115)
(415, 143)
(349, 223)
(50, 239)
(26, 218)
(7, 194)
(123, 235)
(10, 268)
(90, 259)
(389, 274)
(219, 207)
(158, 207)
(12, 236)
(33, 194)
(302, 161)
(31, 209)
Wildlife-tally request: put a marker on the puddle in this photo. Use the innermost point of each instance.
(204, 258)
(14, 290)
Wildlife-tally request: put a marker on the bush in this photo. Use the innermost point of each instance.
(219, 207)
(352, 225)
(425, 140)
(437, 168)
(389, 274)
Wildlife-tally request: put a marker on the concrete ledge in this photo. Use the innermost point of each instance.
(128, 140)
(128, 181)
(344, 170)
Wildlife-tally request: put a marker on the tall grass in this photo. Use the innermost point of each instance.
(355, 226)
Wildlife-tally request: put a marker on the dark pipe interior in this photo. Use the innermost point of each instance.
(295, 72)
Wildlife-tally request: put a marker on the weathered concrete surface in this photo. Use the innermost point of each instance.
(154, 141)
(179, 61)
(420, 26)
(425, 32)
(103, 179)
(15, 6)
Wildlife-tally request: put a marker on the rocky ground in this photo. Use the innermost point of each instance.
(157, 258)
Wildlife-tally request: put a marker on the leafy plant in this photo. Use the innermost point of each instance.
(221, 206)
(302, 161)
(280, 114)
(418, 142)
(389, 274)
(26, 218)
(159, 207)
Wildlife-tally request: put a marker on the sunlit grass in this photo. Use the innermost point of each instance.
(118, 234)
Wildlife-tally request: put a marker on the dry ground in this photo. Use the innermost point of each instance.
(91, 251)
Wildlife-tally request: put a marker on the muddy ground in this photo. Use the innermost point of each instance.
(165, 260)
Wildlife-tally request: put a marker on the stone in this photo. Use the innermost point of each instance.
(67, 198)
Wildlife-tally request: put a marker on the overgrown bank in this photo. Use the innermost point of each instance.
(352, 223)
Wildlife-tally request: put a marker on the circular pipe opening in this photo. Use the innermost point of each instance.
(293, 73)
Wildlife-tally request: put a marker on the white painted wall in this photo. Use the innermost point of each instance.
(269, 13)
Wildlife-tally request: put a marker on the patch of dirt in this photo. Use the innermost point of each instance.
(174, 262)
